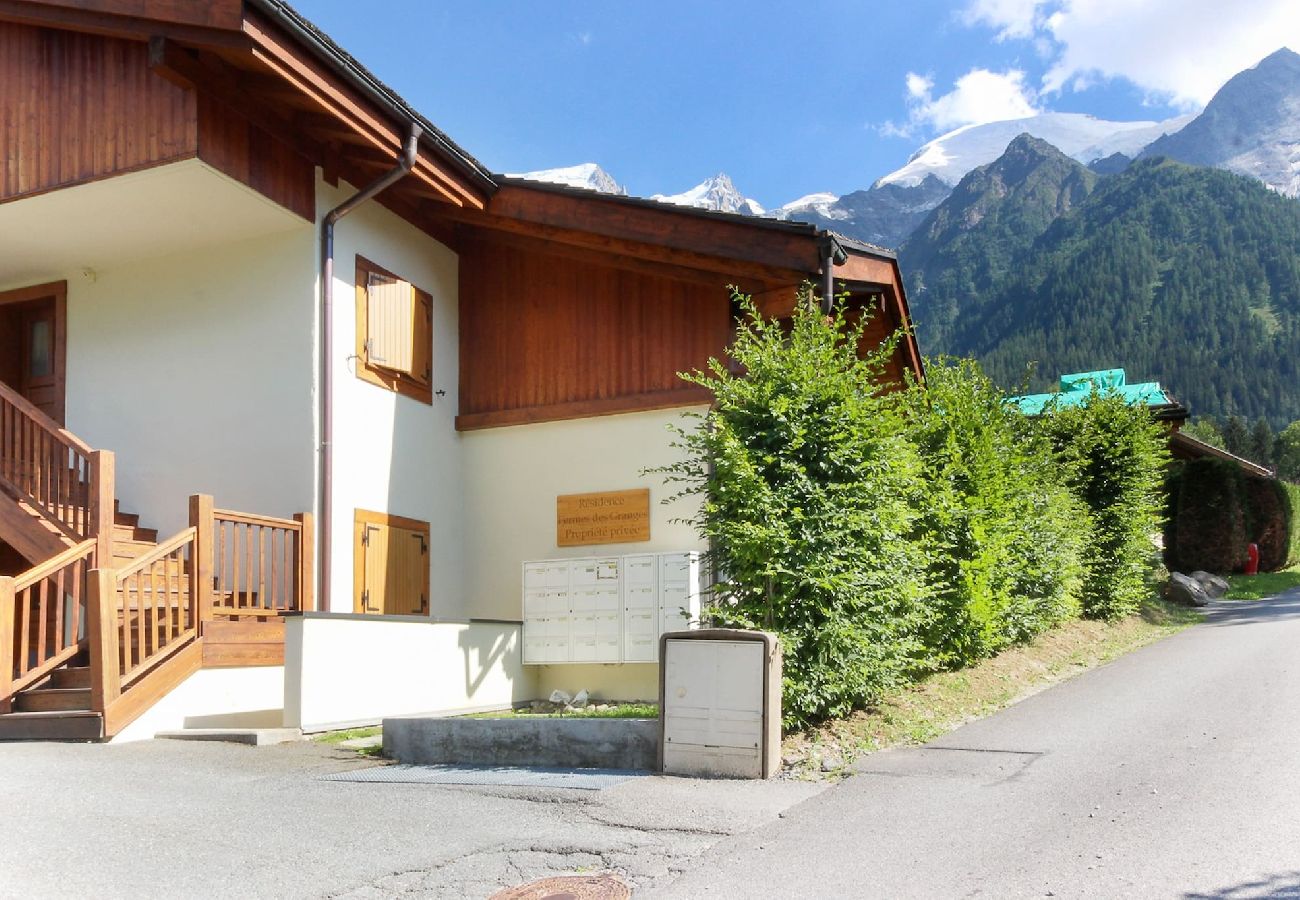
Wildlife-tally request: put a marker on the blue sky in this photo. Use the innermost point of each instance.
(787, 98)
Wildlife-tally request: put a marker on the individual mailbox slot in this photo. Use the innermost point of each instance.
(608, 625)
(583, 600)
(605, 600)
(558, 651)
(675, 568)
(535, 604)
(557, 574)
(536, 575)
(639, 569)
(601, 570)
(608, 649)
(535, 636)
(639, 596)
(585, 649)
(582, 625)
(674, 619)
(639, 649)
(557, 603)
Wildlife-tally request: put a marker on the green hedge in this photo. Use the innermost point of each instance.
(887, 533)
(1217, 510)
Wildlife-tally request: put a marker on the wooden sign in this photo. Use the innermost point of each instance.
(612, 517)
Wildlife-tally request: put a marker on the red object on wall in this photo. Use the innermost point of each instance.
(1252, 559)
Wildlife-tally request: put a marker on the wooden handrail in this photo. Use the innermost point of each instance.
(53, 564)
(26, 407)
(226, 515)
(63, 479)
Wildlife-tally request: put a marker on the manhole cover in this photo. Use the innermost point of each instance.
(568, 887)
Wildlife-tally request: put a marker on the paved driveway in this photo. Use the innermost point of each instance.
(174, 819)
(1171, 772)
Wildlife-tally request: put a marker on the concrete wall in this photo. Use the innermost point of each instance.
(196, 370)
(345, 670)
(215, 698)
(394, 454)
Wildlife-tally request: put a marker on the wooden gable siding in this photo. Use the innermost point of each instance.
(223, 14)
(546, 337)
(231, 144)
(79, 107)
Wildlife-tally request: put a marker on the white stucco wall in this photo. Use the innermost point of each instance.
(394, 454)
(248, 697)
(513, 476)
(347, 670)
(195, 369)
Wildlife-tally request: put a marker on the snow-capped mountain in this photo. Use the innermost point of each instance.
(884, 215)
(715, 193)
(588, 175)
(1251, 126)
(1085, 138)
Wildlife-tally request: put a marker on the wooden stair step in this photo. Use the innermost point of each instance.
(127, 550)
(127, 532)
(53, 700)
(52, 726)
(71, 677)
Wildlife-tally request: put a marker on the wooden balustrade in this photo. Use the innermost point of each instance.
(260, 566)
(156, 609)
(42, 618)
(50, 468)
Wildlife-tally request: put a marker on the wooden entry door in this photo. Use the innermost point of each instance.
(33, 342)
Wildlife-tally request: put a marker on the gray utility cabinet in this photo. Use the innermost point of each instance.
(720, 703)
(607, 609)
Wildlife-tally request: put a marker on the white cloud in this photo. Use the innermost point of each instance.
(1011, 18)
(1177, 50)
(978, 96)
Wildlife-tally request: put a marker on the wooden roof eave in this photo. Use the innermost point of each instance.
(210, 24)
(275, 54)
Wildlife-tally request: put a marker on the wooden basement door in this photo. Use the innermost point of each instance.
(33, 345)
(391, 565)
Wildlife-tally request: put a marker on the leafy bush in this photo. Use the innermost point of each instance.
(1291, 503)
(1114, 457)
(1211, 526)
(1001, 527)
(885, 533)
(809, 489)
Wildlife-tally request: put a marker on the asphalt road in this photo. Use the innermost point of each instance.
(1171, 772)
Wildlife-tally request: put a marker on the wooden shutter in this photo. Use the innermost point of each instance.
(391, 311)
(391, 558)
(422, 338)
(408, 564)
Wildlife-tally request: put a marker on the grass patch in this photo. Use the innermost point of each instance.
(338, 737)
(1266, 584)
(940, 703)
(622, 711)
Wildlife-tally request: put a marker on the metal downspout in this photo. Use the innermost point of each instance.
(404, 165)
(833, 254)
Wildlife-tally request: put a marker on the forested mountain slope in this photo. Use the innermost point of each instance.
(1183, 275)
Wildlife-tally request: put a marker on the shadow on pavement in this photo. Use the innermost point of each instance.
(1283, 884)
(1248, 612)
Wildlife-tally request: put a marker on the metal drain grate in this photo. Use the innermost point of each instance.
(502, 776)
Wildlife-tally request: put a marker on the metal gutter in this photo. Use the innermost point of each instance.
(404, 164)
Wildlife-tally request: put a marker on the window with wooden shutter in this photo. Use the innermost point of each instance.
(394, 332)
(390, 565)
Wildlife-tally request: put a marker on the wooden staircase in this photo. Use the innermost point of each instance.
(109, 619)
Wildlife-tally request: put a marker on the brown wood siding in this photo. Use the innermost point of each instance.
(548, 337)
(233, 145)
(78, 107)
(225, 14)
